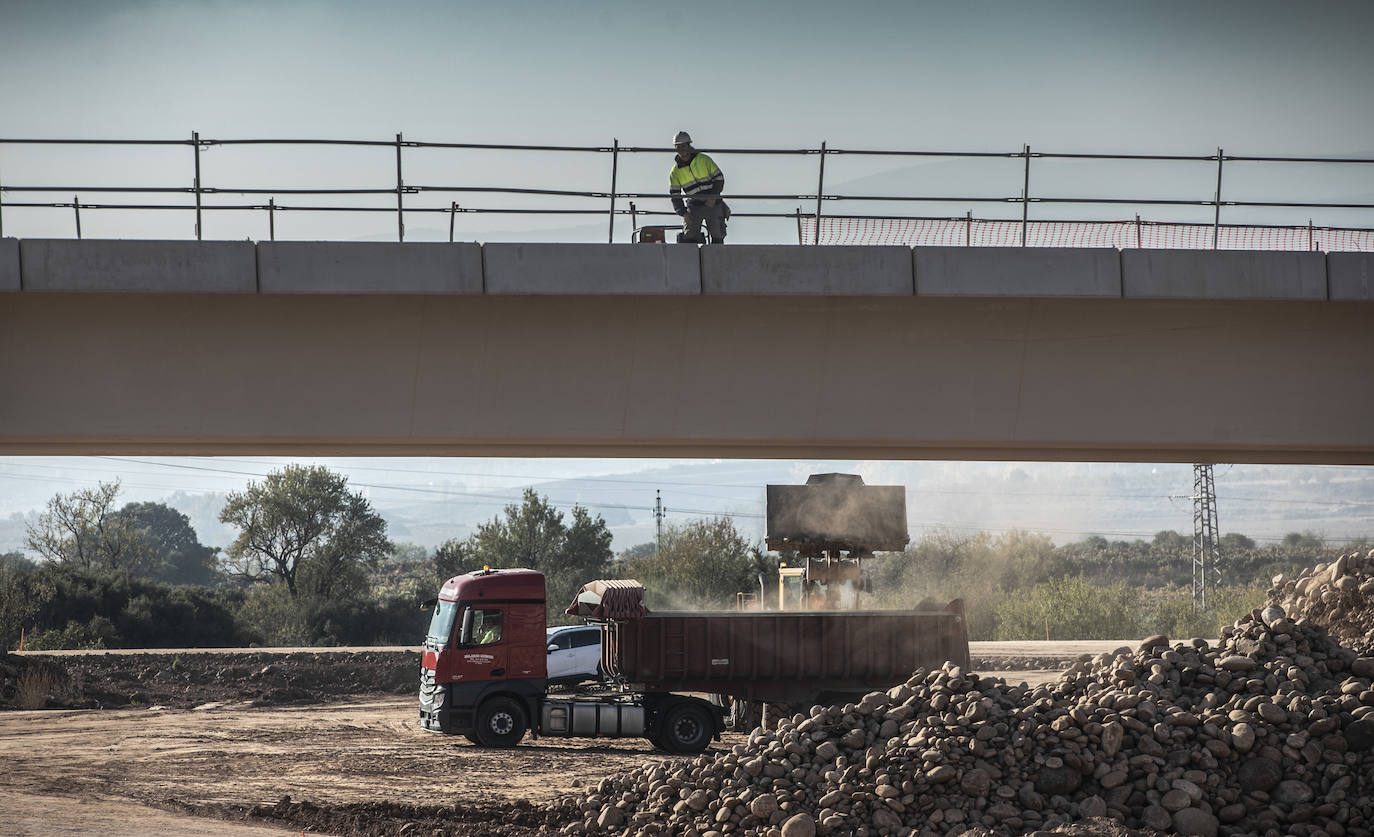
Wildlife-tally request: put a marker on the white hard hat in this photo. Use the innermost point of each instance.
(682, 138)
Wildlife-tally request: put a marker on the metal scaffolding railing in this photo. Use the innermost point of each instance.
(809, 224)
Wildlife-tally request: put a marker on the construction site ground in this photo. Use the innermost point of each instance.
(294, 742)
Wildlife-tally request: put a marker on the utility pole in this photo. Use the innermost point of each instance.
(1206, 538)
(658, 521)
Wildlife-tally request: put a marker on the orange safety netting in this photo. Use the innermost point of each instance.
(911, 232)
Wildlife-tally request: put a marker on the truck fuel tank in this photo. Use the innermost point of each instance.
(590, 719)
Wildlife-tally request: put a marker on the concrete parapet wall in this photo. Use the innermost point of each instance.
(1223, 274)
(430, 268)
(766, 269)
(1025, 271)
(367, 267)
(9, 264)
(139, 266)
(591, 269)
(1350, 276)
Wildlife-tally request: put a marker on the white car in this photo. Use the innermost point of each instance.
(574, 653)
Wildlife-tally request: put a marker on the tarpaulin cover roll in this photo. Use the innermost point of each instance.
(609, 599)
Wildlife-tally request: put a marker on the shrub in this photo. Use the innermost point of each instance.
(33, 688)
(122, 612)
(1069, 607)
(272, 613)
(95, 635)
(1171, 611)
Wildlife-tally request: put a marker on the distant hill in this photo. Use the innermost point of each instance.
(1068, 501)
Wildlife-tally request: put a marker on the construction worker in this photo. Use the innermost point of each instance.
(489, 630)
(698, 178)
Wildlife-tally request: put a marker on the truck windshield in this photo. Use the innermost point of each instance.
(441, 625)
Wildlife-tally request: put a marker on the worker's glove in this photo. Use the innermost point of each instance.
(711, 202)
(687, 220)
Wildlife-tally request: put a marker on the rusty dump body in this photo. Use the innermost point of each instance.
(786, 657)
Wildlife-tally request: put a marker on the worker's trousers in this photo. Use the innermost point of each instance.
(713, 216)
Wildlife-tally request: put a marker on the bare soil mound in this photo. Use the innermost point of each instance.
(182, 681)
(384, 819)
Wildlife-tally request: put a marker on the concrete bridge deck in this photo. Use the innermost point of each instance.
(667, 350)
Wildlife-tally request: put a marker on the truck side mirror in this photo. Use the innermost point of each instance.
(552, 648)
(465, 632)
(428, 604)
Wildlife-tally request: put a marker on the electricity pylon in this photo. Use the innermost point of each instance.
(1206, 539)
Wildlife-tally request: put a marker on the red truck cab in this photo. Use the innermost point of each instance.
(483, 671)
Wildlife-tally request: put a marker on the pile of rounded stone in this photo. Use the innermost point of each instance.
(1271, 733)
(1338, 596)
(1007, 663)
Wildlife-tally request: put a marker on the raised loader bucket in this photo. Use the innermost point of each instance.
(609, 599)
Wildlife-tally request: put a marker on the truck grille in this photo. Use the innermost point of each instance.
(428, 687)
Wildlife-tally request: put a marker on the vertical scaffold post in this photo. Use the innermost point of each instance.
(1137, 231)
(800, 239)
(400, 188)
(452, 213)
(1025, 197)
(968, 228)
(634, 221)
(195, 145)
(615, 161)
(76, 210)
(2, 209)
(1310, 244)
(271, 219)
(820, 194)
(1216, 219)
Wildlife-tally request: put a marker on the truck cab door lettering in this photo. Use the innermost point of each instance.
(482, 646)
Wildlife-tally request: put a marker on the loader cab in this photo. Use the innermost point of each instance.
(792, 592)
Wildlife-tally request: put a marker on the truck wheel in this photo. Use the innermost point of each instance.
(686, 728)
(500, 723)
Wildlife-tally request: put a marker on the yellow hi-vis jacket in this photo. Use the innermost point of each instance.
(697, 179)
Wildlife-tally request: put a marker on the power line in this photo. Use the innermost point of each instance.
(507, 476)
(441, 491)
(497, 499)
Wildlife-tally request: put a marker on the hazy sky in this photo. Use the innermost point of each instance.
(1269, 77)
(1131, 77)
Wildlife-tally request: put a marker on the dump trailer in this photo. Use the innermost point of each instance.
(483, 672)
(796, 658)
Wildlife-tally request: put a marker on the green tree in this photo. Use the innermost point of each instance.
(405, 551)
(24, 590)
(701, 564)
(301, 525)
(1168, 540)
(640, 550)
(533, 535)
(1303, 541)
(175, 554)
(83, 530)
(454, 556)
(1233, 542)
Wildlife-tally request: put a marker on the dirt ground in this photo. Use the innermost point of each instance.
(227, 760)
(276, 751)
